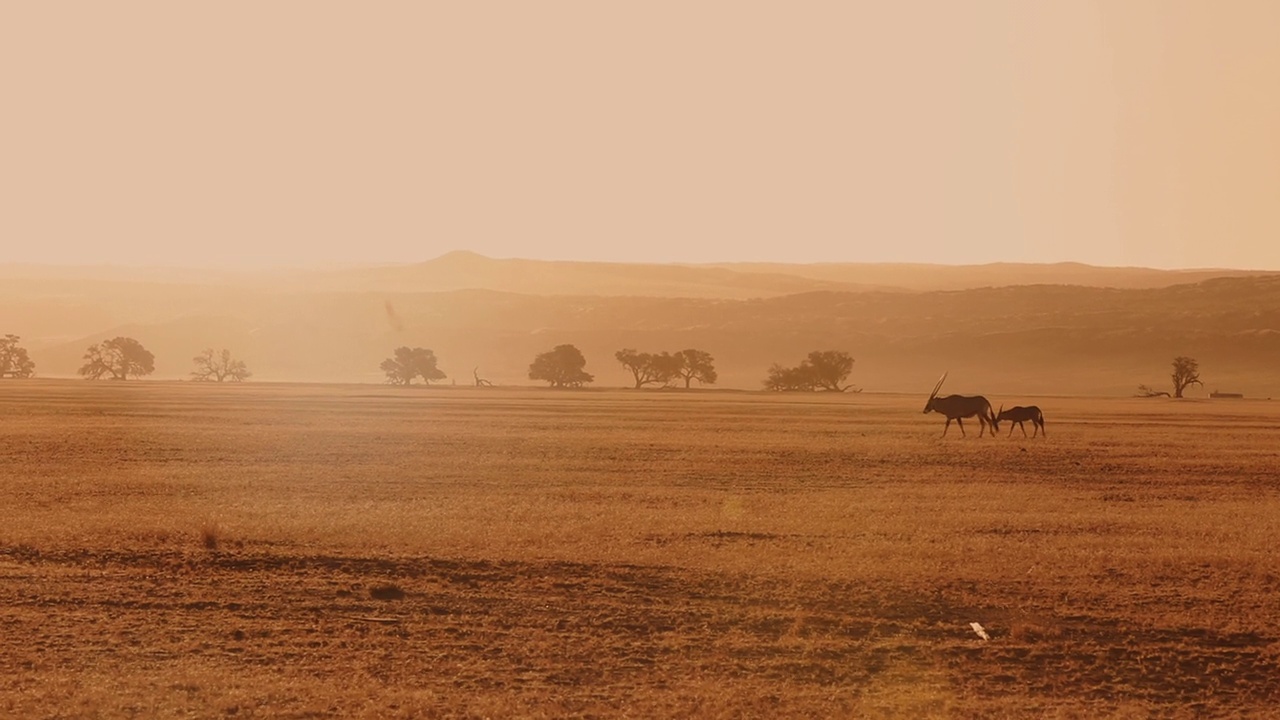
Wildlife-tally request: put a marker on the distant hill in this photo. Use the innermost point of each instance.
(1001, 340)
(469, 271)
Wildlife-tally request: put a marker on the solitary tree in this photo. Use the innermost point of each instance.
(1186, 372)
(118, 359)
(410, 363)
(14, 362)
(829, 369)
(219, 367)
(561, 367)
(697, 365)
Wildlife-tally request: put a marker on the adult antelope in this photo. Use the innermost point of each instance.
(1020, 415)
(958, 407)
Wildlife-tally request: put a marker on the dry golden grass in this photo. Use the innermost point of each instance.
(259, 550)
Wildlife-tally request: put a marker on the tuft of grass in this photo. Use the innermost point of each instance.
(210, 535)
(386, 591)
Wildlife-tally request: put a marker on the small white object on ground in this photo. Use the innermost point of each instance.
(978, 629)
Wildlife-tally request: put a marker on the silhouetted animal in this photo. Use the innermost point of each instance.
(958, 407)
(1020, 415)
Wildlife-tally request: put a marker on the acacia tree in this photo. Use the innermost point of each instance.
(410, 363)
(563, 366)
(1186, 372)
(643, 367)
(697, 365)
(14, 362)
(665, 368)
(784, 379)
(829, 368)
(821, 370)
(219, 367)
(118, 359)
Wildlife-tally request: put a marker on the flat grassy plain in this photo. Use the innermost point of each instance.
(174, 549)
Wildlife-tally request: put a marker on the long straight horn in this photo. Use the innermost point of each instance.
(938, 387)
(1001, 410)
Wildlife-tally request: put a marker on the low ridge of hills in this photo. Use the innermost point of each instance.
(919, 276)
(469, 271)
(463, 270)
(337, 325)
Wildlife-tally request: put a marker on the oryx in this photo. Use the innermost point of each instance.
(1020, 415)
(957, 407)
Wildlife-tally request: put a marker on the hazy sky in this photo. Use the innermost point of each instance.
(285, 133)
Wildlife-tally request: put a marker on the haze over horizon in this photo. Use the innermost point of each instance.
(304, 134)
(193, 270)
(302, 264)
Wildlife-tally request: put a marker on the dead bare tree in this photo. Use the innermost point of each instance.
(480, 382)
(219, 367)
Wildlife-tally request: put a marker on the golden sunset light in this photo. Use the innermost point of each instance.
(852, 359)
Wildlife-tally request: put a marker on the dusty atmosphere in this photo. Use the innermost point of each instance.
(662, 360)
(1065, 329)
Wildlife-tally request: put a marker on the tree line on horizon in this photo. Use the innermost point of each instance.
(564, 366)
(121, 358)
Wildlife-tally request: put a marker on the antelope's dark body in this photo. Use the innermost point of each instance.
(1019, 415)
(958, 407)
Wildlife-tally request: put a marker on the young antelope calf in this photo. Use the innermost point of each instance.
(1020, 415)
